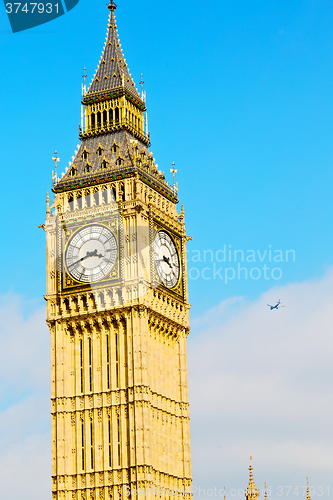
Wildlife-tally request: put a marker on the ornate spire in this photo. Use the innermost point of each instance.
(112, 73)
(252, 492)
(307, 490)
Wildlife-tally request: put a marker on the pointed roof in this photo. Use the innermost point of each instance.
(112, 71)
(252, 492)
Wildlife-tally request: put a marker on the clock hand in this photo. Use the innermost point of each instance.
(95, 254)
(80, 260)
(88, 254)
(167, 260)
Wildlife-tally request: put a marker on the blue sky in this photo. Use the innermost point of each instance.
(239, 96)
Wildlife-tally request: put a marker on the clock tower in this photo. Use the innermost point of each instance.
(117, 304)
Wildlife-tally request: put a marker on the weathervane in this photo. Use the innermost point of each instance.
(174, 171)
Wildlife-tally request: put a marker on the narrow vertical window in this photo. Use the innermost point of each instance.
(99, 119)
(90, 367)
(71, 201)
(111, 117)
(82, 445)
(81, 364)
(108, 361)
(117, 360)
(79, 200)
(109, 441)
(119, 440)
(116, 115)
(105, 118)
(93, 121)
(91, 445)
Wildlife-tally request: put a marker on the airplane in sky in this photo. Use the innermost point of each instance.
(277, 305)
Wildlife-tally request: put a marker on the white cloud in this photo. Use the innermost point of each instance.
(25, 348)
(25, 439)
(25, 450)
(261, 382)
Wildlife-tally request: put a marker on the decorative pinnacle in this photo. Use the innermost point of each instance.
(47, 204)
(56, 160)
(84, 76)
(112, 6)
(252, 492)
(251, 468)
(307, 490)
(174, 171)
(142, 82)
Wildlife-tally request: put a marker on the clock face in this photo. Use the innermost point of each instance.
(91, 253)
(166, 259)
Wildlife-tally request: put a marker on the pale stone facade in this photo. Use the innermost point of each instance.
(120, 410)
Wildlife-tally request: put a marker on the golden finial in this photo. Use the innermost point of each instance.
(112, 6)
(224, 497)
(174, 171)
(250, 467)
(56, 160)
(265, 489)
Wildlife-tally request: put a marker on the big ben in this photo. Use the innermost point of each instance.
(117, 304)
